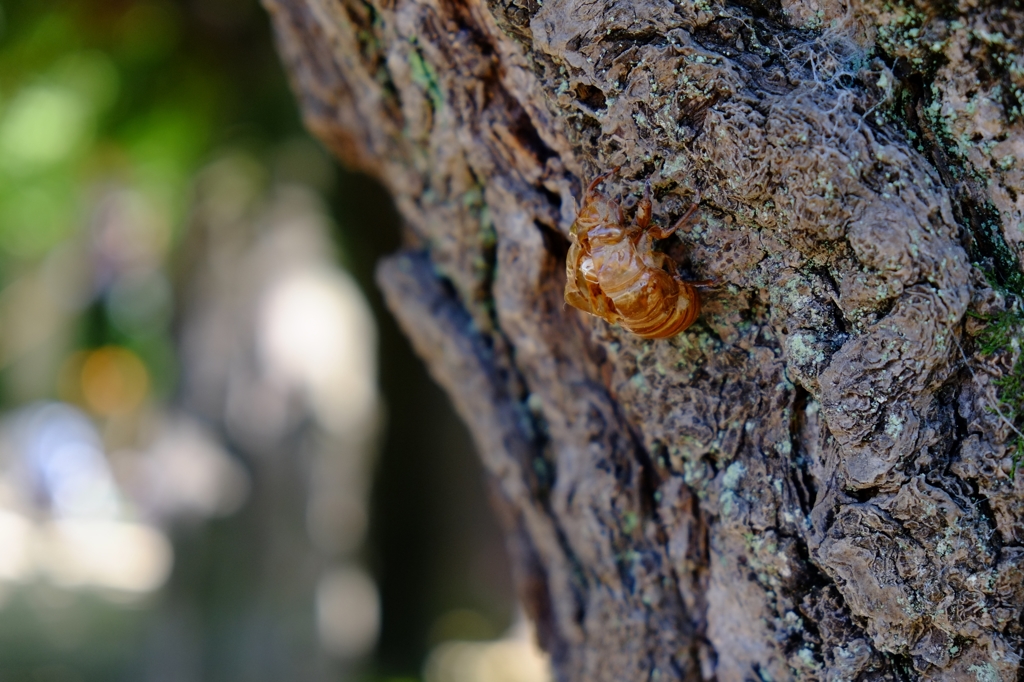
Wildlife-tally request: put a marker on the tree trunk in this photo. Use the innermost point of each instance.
(816, 480)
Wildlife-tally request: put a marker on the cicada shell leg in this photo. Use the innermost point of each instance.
(645, 208)
(577, 300)
(592, 187)
(666, 232)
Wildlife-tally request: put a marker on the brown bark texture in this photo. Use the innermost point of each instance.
(816, 480)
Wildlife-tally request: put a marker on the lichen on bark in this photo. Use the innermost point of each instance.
(814, 481)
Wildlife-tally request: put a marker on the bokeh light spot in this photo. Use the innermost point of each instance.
(317, 332)
(114, 381)
(347, 612)
(43, 125)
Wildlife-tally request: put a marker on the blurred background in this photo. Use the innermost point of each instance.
(219, 460)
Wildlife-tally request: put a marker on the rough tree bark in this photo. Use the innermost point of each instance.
(813, 482)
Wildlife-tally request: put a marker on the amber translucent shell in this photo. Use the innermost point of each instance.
(613, 271)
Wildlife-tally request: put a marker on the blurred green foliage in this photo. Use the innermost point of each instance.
(133, 96)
